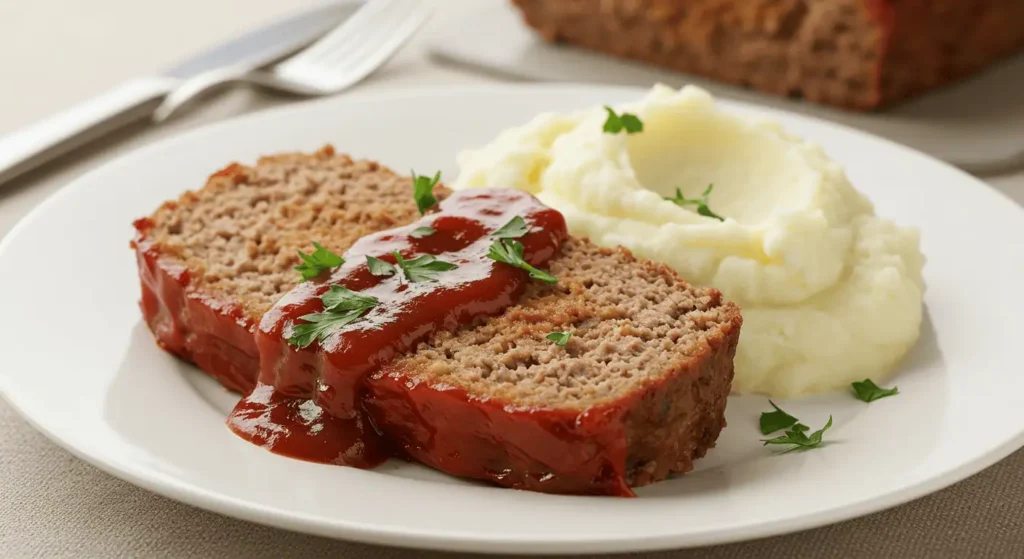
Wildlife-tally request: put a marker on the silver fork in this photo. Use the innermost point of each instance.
(339, 60)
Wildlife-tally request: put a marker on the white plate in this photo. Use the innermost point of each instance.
(78, 362)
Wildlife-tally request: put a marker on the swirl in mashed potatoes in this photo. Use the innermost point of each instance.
(830, 293)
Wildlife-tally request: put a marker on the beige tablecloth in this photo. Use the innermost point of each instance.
(53, 52)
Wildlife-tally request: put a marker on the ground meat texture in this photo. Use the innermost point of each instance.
(240, 234)
(637, 393)
(215, 260)
(861, 54)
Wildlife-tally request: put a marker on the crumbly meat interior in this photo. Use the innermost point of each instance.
(240, 233)
(631, 322)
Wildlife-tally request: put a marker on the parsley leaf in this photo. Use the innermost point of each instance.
(560, 338)
(423, 190)
(514, 229)
(421, 232)
(701, 203)
(314, 264)
(798, 438)
(341, 307)
(772, 421)
(617, 123)
(422, 268)
(511, 252)
(339, 298)
(379, 267)
(319, 326)
(867, 391)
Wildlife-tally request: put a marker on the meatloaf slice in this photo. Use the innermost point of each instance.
(637, 392)
(215, 260)
(861, 54)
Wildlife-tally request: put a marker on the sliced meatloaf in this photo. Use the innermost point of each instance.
(214, 260)
(637, 392)
(861, 54)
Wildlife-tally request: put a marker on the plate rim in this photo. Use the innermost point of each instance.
(456, 540)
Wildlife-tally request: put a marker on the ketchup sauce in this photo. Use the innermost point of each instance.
(309, 403)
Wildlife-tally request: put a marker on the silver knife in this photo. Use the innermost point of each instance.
(136, 99)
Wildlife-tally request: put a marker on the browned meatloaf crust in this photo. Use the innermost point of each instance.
(861, 54)
(214, 260)
(644, 378)
(637, 393)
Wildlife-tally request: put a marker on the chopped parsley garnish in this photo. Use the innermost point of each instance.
(560, 338)
(514, 229)
(617, 123)
(798, 439)
(796, 433)
(339, 298)
(380, 267)
(867, 391)
(772, 421)
(423, 190)
(341, 307)
(314, 264)
(701, 203)
(421, 232)
(422, 268)
(511, 252)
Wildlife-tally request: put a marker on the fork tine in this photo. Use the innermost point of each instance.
(352, 26)
(380, 24)
(343, 59)
(337, 61)
(359, 66)
(388, 24)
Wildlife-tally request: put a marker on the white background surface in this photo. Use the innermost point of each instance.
(53, 52)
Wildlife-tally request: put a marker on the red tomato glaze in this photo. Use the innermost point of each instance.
(309, 403)
(215, 335)
(552, 451)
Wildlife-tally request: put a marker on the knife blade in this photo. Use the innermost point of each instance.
(38, 143)
(269, 44)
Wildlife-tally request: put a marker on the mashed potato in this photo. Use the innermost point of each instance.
(830, 292)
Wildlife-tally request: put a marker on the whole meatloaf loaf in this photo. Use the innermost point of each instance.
(861, 54)
(636, 393)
